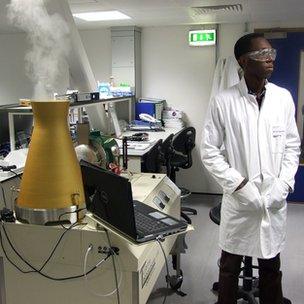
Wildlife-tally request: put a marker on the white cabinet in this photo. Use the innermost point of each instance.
(126, 56)
(122, 52)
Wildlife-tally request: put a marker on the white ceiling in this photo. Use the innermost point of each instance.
(177, 12)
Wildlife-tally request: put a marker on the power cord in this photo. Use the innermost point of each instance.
(108, 252)
(115, 270)
(68, 212)
(175, 281)
(10, 169)
(34, 269)
(111, 251)
(55, 247)
(159, 240)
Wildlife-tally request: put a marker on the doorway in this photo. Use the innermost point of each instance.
(289, 73)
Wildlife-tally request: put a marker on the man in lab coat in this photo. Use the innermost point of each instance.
(255, 121)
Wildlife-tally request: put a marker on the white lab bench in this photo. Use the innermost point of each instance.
(21, 110)
(139, 265)
(135, 155)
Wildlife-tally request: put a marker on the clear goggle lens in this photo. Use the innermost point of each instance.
(263, 55)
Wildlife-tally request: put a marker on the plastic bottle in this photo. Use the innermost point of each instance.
(104, 89)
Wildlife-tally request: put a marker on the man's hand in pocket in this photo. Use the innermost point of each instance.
(249, 197)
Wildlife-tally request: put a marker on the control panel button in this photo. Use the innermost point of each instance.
(164, 196)
(157, 201)
(161, 205)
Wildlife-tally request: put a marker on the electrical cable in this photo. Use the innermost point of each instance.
(34, 269)
(18, 175)
(55, 247)
(6, 255)
(158, 239)
(57, 243)
(3, 194)
(115, 270)
(68, 212)
(10, 170)
(97, 265)
(117, 282)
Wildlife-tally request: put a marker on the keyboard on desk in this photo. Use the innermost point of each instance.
(138, 145)
(146, 129)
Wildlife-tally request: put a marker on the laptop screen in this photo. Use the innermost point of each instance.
(109, 197)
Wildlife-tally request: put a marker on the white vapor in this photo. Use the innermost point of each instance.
(49, 39)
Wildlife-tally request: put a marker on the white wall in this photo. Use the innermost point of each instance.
(172, 70)
(228, 34)
(14, 84)
(97, 44)
(183, 76)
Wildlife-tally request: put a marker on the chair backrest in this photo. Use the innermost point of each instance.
(183, 143)
(167, 152)
(152, 160)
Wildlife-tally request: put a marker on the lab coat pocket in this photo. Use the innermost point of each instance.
(278, 138)
(248, 197)
(277, 195)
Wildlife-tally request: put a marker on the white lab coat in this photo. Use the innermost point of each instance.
(263, 146)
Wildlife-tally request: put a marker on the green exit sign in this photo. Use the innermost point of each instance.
(202, 37)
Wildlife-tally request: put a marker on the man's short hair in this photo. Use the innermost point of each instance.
(243, 45)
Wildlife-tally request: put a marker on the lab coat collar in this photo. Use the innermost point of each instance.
(244, 89)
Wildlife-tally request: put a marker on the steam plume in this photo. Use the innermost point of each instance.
(48, 36)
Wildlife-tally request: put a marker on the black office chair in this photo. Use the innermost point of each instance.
(183, 143)
(162, 153)
(248, 291)
(152, 160)
(167, 153)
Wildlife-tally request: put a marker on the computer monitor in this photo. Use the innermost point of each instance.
(22, 123)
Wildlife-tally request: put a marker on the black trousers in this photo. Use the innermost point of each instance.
(270, 279)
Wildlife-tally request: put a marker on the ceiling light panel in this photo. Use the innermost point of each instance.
(78, 2)
(102, 16)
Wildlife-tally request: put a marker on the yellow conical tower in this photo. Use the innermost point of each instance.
(51, 183)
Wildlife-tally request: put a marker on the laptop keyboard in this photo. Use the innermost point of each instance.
(147, 224)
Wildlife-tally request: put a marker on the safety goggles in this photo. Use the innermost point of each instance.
(263, 55)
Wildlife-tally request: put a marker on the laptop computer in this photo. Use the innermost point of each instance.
(109, 198)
